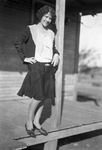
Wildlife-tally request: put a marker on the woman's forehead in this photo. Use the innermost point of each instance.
(48, 14)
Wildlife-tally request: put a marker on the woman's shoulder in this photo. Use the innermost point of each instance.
(53, 28)
(26, 31)
(34, 27)
(52, 34)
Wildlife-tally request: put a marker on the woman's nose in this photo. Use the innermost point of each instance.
(48, 20)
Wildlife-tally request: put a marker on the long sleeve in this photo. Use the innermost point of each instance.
(20, 41)
(55, 51)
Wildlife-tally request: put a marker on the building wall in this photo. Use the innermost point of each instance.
(14, 17)
(70, 63)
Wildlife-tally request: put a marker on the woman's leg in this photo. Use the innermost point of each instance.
(37, 117)
(32, 108)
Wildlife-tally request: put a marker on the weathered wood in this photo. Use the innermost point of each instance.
(14, 114)
(69, 86)
(70, 57)
(51, 145)
(75, 87)
(66, 132)
(70, 41)
(76, 57)
(77, 44)
(60, 12)
(77, 118)
(12, 145)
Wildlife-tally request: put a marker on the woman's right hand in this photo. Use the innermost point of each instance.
(30, 60)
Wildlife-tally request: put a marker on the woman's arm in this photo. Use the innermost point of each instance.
(55, 51)
(55, 60)
(20, 41)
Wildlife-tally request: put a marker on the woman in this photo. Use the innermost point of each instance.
(42, 58)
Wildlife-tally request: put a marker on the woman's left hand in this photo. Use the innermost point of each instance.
(55, 60)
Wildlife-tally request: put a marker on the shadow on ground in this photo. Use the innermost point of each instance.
(81, 98)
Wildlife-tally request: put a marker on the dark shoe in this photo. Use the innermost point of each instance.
(41, 130)
(30, 132)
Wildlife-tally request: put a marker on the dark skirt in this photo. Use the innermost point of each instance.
(39, 82)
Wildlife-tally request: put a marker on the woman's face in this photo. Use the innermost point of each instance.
(46, 19)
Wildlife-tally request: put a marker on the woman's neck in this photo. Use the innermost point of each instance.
(42, 28)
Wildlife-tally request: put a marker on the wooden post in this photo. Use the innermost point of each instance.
(76, 58)
(77, 44)
(51, 145)
(60, 13)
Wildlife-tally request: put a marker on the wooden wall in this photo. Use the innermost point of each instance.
(14, 17)
(70, 63)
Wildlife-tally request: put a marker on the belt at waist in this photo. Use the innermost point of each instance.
(44, 63)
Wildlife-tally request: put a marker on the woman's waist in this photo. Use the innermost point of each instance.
(44, 63)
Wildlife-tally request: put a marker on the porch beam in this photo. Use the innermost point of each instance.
(45, 2)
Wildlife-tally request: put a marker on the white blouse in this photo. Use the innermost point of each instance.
(44, 44)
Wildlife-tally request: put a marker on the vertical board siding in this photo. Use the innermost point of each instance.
(14, 17)
(69, 70)
(10, 83)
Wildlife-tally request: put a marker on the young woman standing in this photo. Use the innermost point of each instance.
(42, 58)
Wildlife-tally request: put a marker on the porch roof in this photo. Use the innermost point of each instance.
(85, 6)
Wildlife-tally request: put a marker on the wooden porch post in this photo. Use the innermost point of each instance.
(76, 57)
(60, 13)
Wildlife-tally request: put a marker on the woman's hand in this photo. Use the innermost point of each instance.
(55, 60)
(30, 60)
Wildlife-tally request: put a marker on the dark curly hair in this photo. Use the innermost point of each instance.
(44, 10)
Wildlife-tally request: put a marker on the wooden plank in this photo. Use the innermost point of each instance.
(51, 145)
(75, 115)
(10, 83)
(69, 86)
(12, 145)
(62, 133)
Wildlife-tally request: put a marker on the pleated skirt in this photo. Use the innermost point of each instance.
(39, 83)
